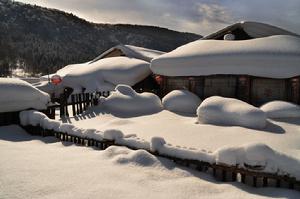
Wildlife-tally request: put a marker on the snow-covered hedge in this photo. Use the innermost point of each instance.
(281, 109)
(126, 101)
(259, 157)
(16, 95)
(181, 101)
(229, 111)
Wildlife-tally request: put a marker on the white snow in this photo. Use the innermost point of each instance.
(181, 101)
(255, 155)
(274, 57)
(34, 167)
(19, 95)
(231, 112)
(126, 101)
(132, 52)
(260, 157)
(105, 74)
(281, 109)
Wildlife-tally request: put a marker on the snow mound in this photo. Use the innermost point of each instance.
(122, 155)
(257, 156)
(105, 74)
(19, 95)
(281, 109)
(181, 101)
(230, 112)
(126, 101)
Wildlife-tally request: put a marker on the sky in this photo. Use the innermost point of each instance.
(197, 16)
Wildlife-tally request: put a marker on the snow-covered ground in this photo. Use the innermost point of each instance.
(34, 167)
(282, 135)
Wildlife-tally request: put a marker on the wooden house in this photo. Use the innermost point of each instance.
(253, 62)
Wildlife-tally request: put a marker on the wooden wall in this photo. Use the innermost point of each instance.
(254, 90)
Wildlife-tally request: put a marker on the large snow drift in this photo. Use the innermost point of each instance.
(126, 101)
(228, 111)
(105, 74)
(281, 109)
(274, 57)
(181, 101)
(19, 95)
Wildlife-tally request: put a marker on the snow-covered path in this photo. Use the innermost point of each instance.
(182, 130)
(31, 167)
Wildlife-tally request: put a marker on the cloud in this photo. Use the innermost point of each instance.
(199, 16)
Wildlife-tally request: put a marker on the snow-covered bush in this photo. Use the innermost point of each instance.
(19, 95)
(126, 101)
(229, 111)
(105, 74)
(281, 109)
(181, 101)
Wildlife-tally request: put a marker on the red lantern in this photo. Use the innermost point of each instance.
(159, 79)
(56, 79)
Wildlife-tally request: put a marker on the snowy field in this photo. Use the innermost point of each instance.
(183, 130)
(32, 167)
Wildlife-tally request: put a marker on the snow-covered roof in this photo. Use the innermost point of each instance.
(253, 29)
(275, 57)
(105, 74)
(132, 52)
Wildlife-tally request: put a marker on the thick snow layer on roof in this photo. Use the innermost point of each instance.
(274, 57)
(182, 101)
(19, 95)
(67, 69)
(281, 109)
(230, 112)
(105, 74)
(132, 52)
(253, 29)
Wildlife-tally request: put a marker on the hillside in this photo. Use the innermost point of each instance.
(43, 40)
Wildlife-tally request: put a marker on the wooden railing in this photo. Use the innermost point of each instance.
(79, 102)
(224, 173)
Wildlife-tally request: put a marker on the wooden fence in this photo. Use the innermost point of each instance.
(9, 118)
(79, 102)
(222, 173)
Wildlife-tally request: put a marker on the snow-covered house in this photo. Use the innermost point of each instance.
(122, 64)
(258, 68)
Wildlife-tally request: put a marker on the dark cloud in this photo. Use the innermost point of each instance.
(200, 16)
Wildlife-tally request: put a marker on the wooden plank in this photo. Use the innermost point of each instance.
(80, 103)
(77, 104)
(84, 101)
(73, 104)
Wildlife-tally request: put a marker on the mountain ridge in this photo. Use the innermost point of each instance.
(42, 40)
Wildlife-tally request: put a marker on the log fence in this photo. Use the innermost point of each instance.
(224, 173)
(79, 102)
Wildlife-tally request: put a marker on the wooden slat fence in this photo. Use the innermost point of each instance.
(224, 173)
(79, 102)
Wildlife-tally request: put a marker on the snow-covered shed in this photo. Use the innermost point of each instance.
(254, 70)
(131, 52)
